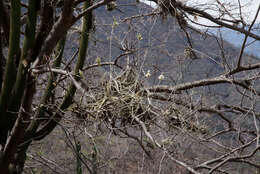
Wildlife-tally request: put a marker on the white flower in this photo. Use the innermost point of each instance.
(161, 77)
(148, 74)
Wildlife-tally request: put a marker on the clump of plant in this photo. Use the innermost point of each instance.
(118, 101)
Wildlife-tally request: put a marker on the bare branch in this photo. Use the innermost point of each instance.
(245, 39)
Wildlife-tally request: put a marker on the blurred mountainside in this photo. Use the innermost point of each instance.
(160, 46)
(158, 43)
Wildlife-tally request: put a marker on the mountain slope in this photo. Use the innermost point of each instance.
(160, 46)
(252, 47)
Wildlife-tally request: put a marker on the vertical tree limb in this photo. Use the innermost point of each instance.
(22, 74)
(87, 26)
(58, 31)
(4, 20)
(47, 21)
(2, 59)
(10, 70)
(47, 93)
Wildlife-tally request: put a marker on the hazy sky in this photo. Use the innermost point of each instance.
(249, 9)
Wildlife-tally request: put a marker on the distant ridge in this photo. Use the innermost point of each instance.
(237, 39)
